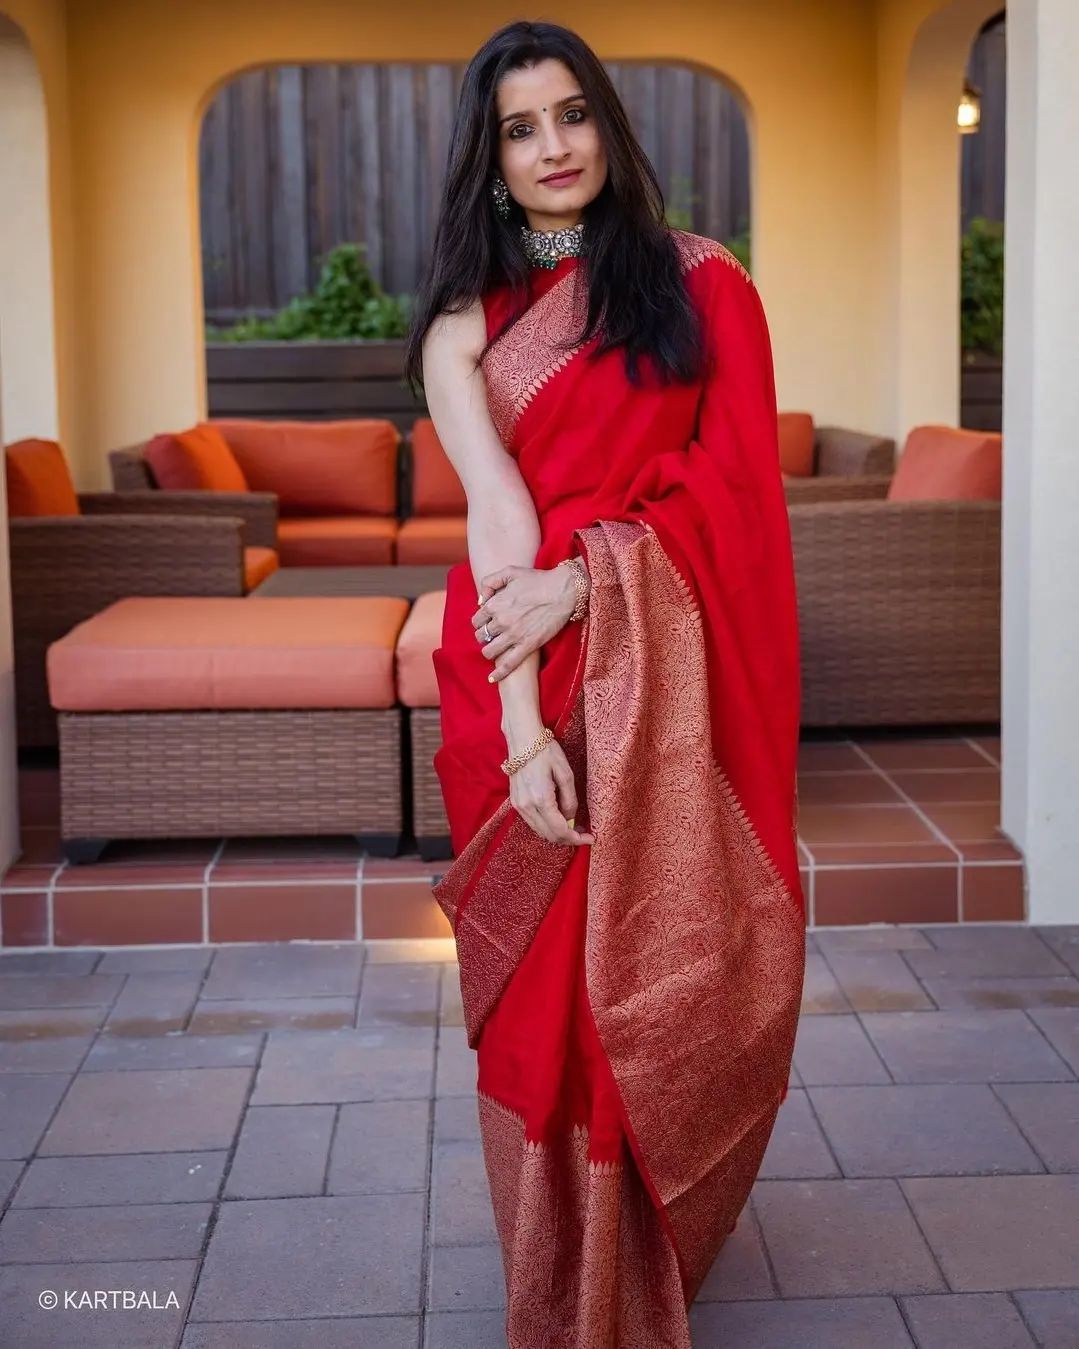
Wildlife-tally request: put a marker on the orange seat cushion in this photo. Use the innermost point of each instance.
(180, 652)
(258, 564)
(428, 539)
(422, 632)
(796, 440)
(436, 488)
(336, 541)
(38, 479)
(195, 460)
(946, 463)
(319, 468)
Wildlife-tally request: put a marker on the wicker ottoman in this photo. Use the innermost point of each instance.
(183, 717)
(418, 691)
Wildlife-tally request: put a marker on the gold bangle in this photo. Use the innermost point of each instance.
(515, 761)
(582, 584)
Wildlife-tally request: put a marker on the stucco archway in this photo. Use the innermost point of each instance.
(27, 333)
(926, 280)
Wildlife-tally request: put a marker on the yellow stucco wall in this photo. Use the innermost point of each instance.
(126, 82)
(43, 23)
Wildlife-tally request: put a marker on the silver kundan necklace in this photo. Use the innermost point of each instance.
(545, 248)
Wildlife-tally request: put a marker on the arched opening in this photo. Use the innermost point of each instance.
(982, 232)
(298, 163)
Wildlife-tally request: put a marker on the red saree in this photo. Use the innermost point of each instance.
(633, 1003)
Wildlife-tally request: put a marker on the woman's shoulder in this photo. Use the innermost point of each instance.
(695, 250)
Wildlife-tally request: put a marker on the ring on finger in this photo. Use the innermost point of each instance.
(487, 635)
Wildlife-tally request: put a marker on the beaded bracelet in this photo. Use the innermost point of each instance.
(515, 761)
(581, 581)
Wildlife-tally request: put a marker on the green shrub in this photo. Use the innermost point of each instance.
(347, 303)
(982, 287)
(740, 246)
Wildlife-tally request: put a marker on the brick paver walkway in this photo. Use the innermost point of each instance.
(284, 1139)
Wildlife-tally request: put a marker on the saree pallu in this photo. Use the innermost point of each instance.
(633, 1003)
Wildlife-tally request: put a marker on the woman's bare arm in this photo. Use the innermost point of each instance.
(502, 525)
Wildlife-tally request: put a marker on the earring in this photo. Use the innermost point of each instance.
(501, 194)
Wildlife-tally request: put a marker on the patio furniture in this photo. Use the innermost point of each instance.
(417, 689)
(186, 717)
(407, 582)
(899, 598)
(846, 464)
(435, 508)
(335, 482)
(72, 553)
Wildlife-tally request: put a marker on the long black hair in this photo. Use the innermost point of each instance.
(636, 296)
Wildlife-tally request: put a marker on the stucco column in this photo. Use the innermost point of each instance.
(1040, 715)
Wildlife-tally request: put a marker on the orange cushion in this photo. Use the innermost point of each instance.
(336, 541)
(258, 564)
(422, 632)
(796, 436)
(436, 488)
(173, 652)
(948, 463)
(38, 479)
(428, 539)
(319, 468)
(195, 460)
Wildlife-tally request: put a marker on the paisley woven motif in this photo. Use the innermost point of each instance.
(582, 1246)
(695, 948)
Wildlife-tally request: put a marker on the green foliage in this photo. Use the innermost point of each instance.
(347, 303)
(680, 199)
(739, 244)
(679, 215)
(982, 287)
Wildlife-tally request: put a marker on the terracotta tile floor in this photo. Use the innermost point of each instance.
(285, 1137)
(894, 827)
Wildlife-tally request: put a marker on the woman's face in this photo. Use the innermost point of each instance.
(546, 127)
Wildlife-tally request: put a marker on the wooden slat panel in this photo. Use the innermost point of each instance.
(296, 159)
(218, 273)
(337, 398)
(236, 361)
(288, 219)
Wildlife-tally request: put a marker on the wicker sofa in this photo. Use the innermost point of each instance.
(899, 592)
(357, 491)
(843, 464)
(72, 553)
(350, 492)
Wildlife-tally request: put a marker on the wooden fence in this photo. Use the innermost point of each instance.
(982, 155)
(295, 159)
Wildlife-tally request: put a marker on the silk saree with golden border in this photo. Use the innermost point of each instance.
(633, 1003)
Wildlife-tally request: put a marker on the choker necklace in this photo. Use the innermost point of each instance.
(545, 248)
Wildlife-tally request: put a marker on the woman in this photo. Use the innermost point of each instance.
(620, 693)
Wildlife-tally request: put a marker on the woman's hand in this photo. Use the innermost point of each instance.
(543, 793)
(523, 607)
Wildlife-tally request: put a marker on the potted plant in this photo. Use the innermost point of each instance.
(982, 323)
(336, 351)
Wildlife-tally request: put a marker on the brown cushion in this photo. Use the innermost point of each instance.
(258, 564)
(194, 460)
(173, 652)
(422, 632)
(796, 437)
(336, 540)
(38, 479)
(948, 463)
(428, 539)
(436, 488)
(339, 467)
